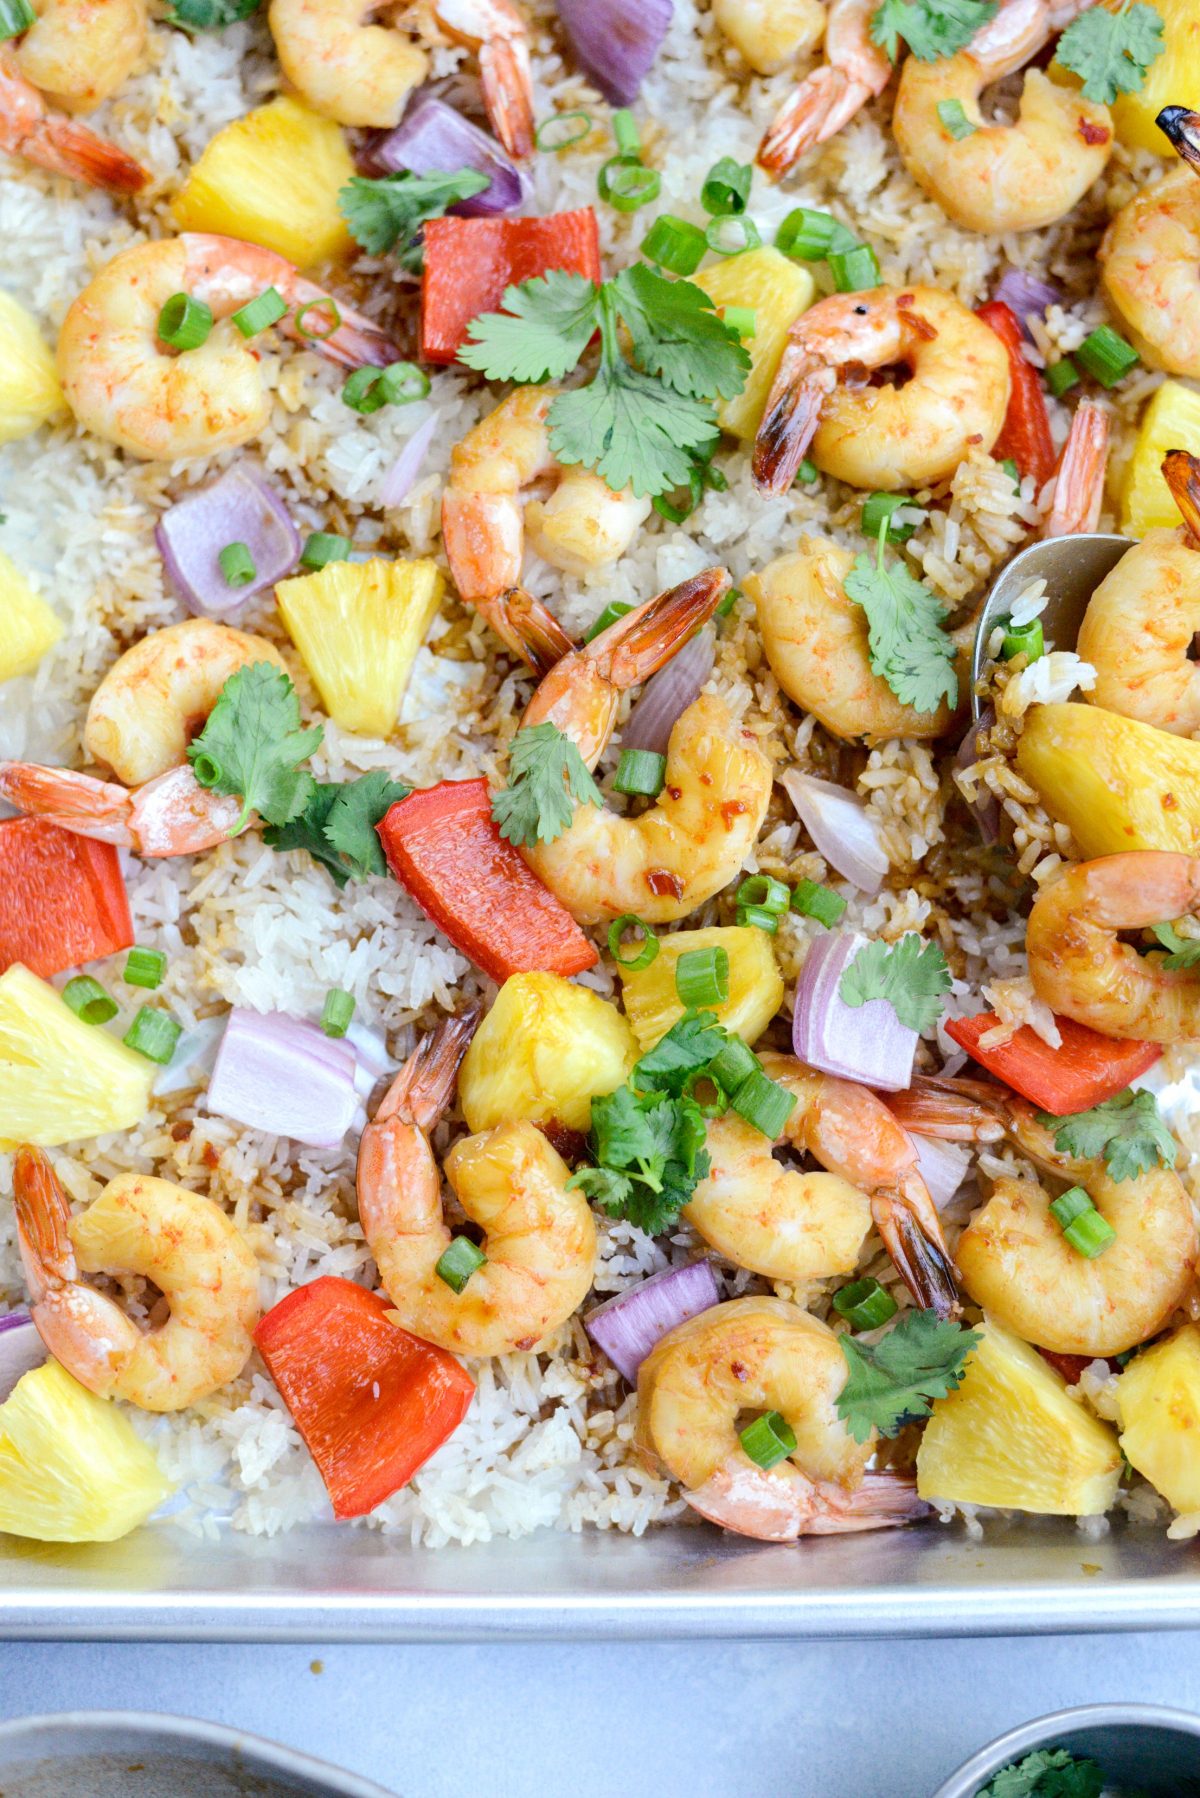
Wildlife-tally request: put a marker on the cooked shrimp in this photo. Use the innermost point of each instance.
(488, 507)
(795, 1226)
(34, 130)
(171, 815)
(180, 1241)
(1015, 177)
(1150, 252)
(886, 437)
(770, 33)
(78, 52)
(122, 383)
(1014, 1258)
(1079, 477)
(1082, 969)
(762, 1354)
(540, 1238)
(664, 862)
(363, 74)
(854, 71)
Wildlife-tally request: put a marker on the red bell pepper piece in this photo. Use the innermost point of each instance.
(1069, 1366)
(469, 262)
(62, 898)
(1088, 1068)
(1025, 435)
(442, 843)
(371, 1401)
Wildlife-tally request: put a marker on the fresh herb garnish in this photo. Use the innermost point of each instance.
(253, 745)
(907, 638)
(636, 423)
(930, 28)
(337, 826)
(1047, 1773)
(690, 1046)
(896, 1379)
(910, 975)
(650, 1156)
(1112, 50)
(388, 213)
(545, 773)
(1126, 1130)
(1185, 950)
(210, 15)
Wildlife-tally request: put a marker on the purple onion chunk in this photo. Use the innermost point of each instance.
(615, 42)
(866, 1043)
(238, 508)
(627, 1326)
(284, 1076)
(433, 139)
(21, 1349)
(669, 693)
(942, 1165)
(1025, 295)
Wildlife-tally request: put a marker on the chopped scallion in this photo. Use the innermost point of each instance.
(728, 602)
(854, 270)
(677, 513)
(675, 244)
(258, 314)
(626, 183)
(761, 889)
(327, 305)
(640, 773)
(757, 917)
(145, 967)
(337, 1011)
(865, 1304)
(812, 900)
(764, 1103)
(563, 130)
(153, 1034)
(362, 391)
(1062, 376)
(625, 131)
(615, 609)
(647, 949)
(321, 547)
(733, 1065)
(1012, 471)
(237, 565)
(808, 236)
(457, 1263)
(1023, 640)
(184, 323)
(702, 977)
(88, 1000)
(880, 507)
(1071, 1204)
(726, 188)
(806, 474)
(732, 234)
(768, 1440)
(404, 382)
(1090, 1235)
(1106, 356)
(742, 319)
(16, 16)
(954, 119)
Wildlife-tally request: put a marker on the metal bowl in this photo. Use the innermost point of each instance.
(1141, 1746)
(135, 1754)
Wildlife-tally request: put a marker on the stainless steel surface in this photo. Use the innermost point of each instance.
(1072, 568)
(1138, 1745)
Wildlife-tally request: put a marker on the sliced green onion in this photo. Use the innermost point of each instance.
(184, 323)
(714, 1107)
(806, 474)
(256, 315)
(954, 119)
(88, 1000)
(145, 967)
(1106, 355)
(237, 564)
(1011, 470)
(702, 977)
(878, 509)
(731, 235)
(728, 602)
(1090, 1235)
(616, 608)
(404, 382)
(854, 270)
(1023, 640)
(676, 514)
(812, 900)
(1062, 376)
(726, 188)
(713, 477)
(864, 1304)
(625, 131)
(808, 236)
(362, 390)
(1071, 1204)
(16, 16)
(207, 769)
(733, 1065)
(764, 1103)
(742, 319)
(641, 773)
(302, 329)
(337, 1011)
(563, 130)
(321, 547)
(757, 917)
(675, 244)
(153, 1034)
(457, 1263)
(647, 950)
(762, 889)
(626, 183)
(768, 1440)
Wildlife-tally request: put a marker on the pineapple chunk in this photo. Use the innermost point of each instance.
(72, 1466)
(545, 1050)
(1158, 1397)
(1171, 421)
(359, 626)
(29, 389)
(273, 177)
(1172, 77)
(778, 290)
(1116, 782)
(62, 1079)
(1010, 1436)
(28, 628)
(755, 983)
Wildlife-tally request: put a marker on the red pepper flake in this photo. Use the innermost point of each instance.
(731, 809)
(1092, 133)
(664, 884)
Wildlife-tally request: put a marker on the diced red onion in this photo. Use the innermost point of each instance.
(238, 508)
(615, 41)
(669, 693)
(21, 1348)
(986, 808)
(842, 828)
(628, 1326)
(1025, 294)
(284, 1076)
(371, 1056)
(942, 1165)
(395, 484)
(867, 1043)
(432, 138)
(195, 1053)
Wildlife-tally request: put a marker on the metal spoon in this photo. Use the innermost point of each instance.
(1072, 568)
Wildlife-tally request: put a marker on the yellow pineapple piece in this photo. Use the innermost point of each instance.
(72, 1466)
(1010, 1436)
(273, 177)
(778, 290)
(545, 1050)
(28, 628)
(1158, 1397)
(62, 1079)
(1170, 421)
(359, 626)
(1118, 783)
(29, 389)
(1171, 80)
(755, 983)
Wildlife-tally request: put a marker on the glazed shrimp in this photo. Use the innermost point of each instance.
(1015, 1261)
(796, 1226)
(1149, 255)
(77, 53)
(855, 71)
(762, 1354)
(886, 437)
(540, 1239)
(122, 383)
(34, 130)
(666, 861)
(768, 34)
(362, 74)
(489, 506)
(181, 1241)
(171, 815)
(1079, 965)
(1015, 177)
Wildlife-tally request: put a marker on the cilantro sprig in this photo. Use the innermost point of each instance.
(1126, 1130)
(897, 1378)
(910, 975)
(388, 213)
(1185, 950)
(337, 827)
(253, 745)
(545, 773)
(210, 15)
(1047, 1773)
(908, 643)
(930, 28)
(1112, 51)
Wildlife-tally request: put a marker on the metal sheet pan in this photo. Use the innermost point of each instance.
(329, 1584)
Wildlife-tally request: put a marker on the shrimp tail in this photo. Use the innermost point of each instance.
(75, 802)
(918, 1252)
(43, 1221)
(788, 426)
(508, 93)
(66, 148)
(424, 1086)
(528, 628)
(883, 1501)
(1181, 471)
(358, 341)
(1182, 127)
(636, 646)
(822, 103)
(952, 1110)
(1079, 482)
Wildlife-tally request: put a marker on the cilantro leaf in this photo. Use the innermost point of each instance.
(910, 975)
(350, 824)
(253, 744)
(1185, 950)
(1112, 50)
(649, 1154)
(930, 28)
(908, 642)
(389, 211)
(691, 1043)
(545, 773)
(307, 831)
(1126, 1130)
(631, 429)
(210, 15)
(1047, 1773)
(677, 334)
(898, 1377)
(545, 326)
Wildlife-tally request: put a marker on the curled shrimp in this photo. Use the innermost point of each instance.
(666, 861)
(888, 437)
(805, 1226)
(181, 1241)
(122, 383)
(540, 1238)
(31, 128)
(1150, 252)
(855, 70)
(78, 52)
(1016, 177)
(769, 34)
(762, 1354)
(171, 815)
